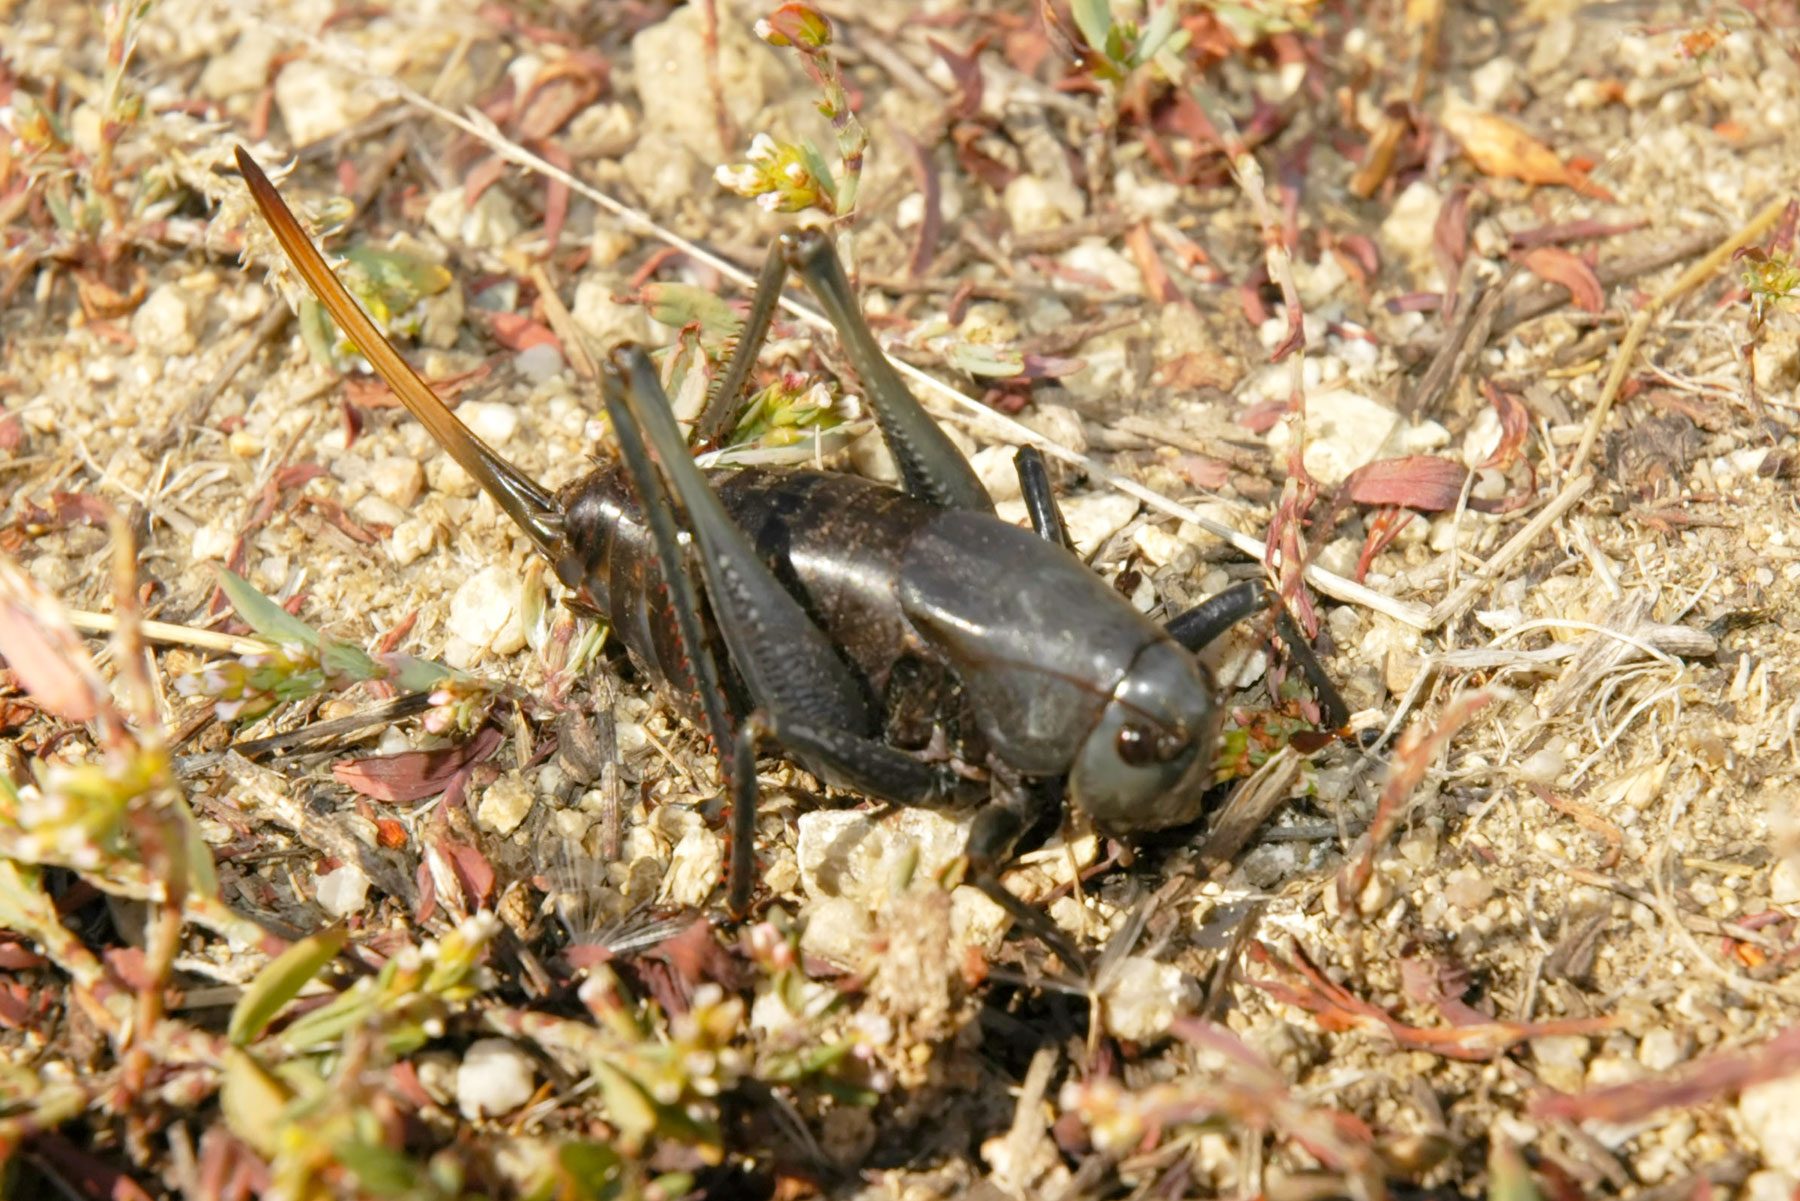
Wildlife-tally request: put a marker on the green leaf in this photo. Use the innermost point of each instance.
(329, 1022)
(404, 278)
(820, 170)
(591, 1171)
(1156, 32)
(379, 1171)
(281, 982)
(1509, 1179)
(981, 359)
(678, 305)
(268, 619)
(417, 675)
(628, 1104)
(342, 660)
(1094, 18)
(252, 1101)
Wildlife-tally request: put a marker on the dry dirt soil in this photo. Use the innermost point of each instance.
(1530, 924)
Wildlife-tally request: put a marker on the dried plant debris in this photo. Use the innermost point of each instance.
(341, 855)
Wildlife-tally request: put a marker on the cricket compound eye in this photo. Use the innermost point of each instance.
(1147, 761)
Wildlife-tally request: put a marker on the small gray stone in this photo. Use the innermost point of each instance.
(539, 363)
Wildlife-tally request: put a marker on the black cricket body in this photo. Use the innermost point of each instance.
(903, 643)
(1046, 662)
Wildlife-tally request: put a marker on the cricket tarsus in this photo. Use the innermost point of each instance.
(851, 616)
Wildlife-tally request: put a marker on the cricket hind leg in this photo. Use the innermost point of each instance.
(737, 762)
(1209, 619)
(931, 468)
(724, 400)
(806, 697)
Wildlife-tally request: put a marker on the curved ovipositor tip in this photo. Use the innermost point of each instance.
(530, 507)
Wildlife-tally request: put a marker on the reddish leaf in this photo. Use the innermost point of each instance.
(1554, 265)
(415, 775)
(518, 332)
(1143, 252)
(1384, 527)
(1423, 482)
(481, 177)
(1702, 1081)
(1498, 147)
(15, 1007)
(1450, 241)
(966, 71)
(12, 432)
(556, 194)
(1202, 472)
(1515, 423)
(1571, 231)
(46, 658)
(371, 393)
(561, 89)
(15, 957)
(695, 957)
(473, 871)
(1261, 418)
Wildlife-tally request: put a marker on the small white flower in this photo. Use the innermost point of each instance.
(763, 149)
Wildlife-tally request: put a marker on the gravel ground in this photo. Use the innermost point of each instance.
(1530, 925)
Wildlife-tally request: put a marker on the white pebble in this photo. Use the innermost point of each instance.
(1143, 997)
(694, 868)
(1035, 205)
(847, 854)
(494, 1078)
(165, 321)
(213, 540)
(1561, 1059)
(1784, 881)
(485, 611)
(493, 422)
(411, 539)
(607, 322)
(994, 468)
(343, 891)
(871, 458)
(539, 363)
(1344, 430)
(1095, 517)
(837, 929)
(1662, 1048)
(377, 510)
(317, 100)
(1157, 545)
(1770, 1113)
(397, 480)
(504, 804)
